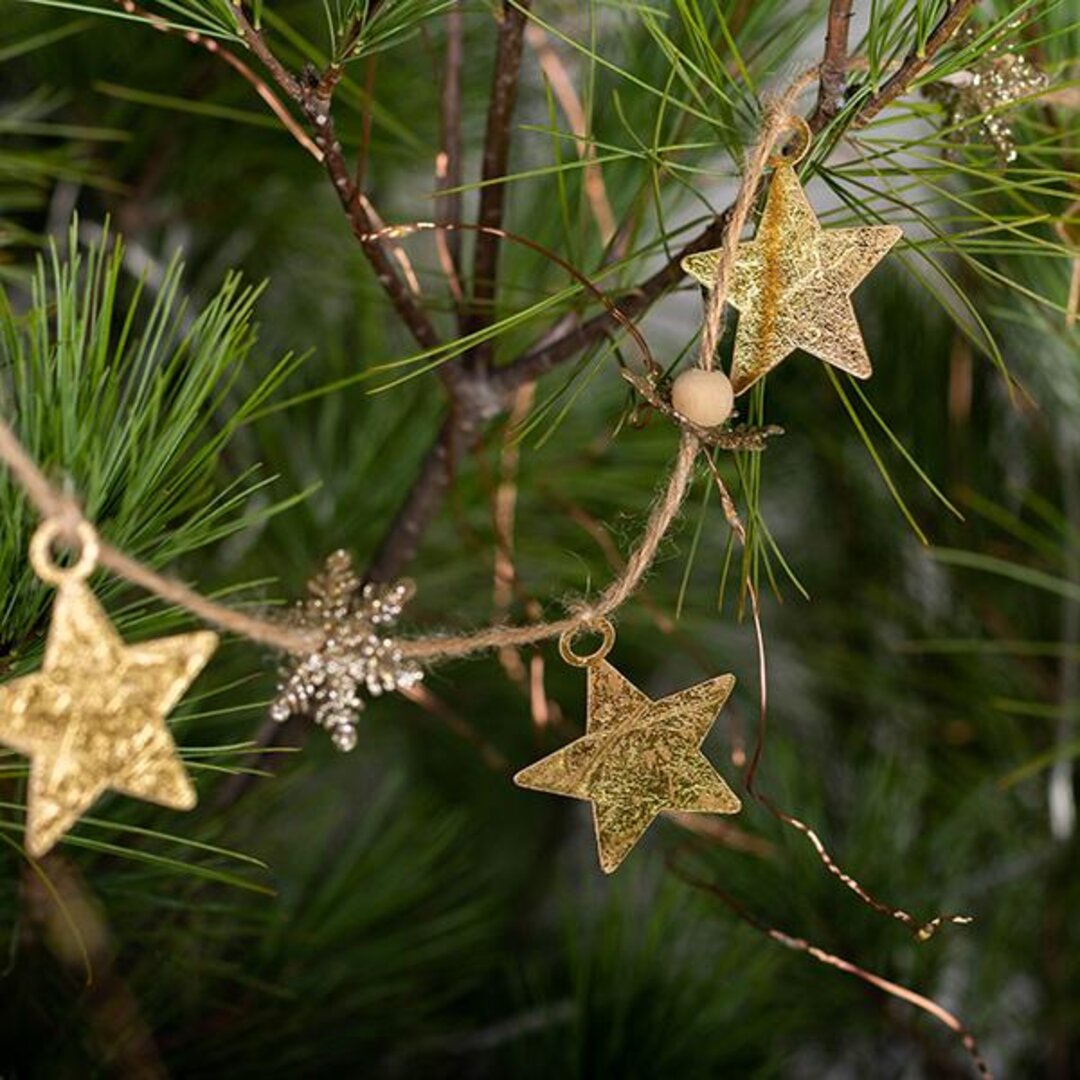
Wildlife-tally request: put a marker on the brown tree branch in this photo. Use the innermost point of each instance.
(915, 63)
(313, 96)
(548, 354)
(496, 155)
(402, 538)
(833, 78)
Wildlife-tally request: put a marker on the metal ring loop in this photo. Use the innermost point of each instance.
(599, 625)
(47, 568)
(803, 138)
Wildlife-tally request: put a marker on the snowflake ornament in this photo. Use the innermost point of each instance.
(978, 101)
(355, 655)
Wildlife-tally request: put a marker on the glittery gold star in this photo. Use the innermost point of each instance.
(792, 285)
(637, 758)
(93, 717)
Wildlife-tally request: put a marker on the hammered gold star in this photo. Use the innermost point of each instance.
(792, 285)
(638, 757)
(93, 717)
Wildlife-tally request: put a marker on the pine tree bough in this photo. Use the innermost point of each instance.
(479, 391)
(465, 424)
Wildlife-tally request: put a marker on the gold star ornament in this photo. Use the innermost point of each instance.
(638, 757)
(93, 718)
(792, 283)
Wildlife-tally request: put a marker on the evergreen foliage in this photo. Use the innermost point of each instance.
(192, 339)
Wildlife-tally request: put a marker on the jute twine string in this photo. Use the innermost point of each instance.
(778, 119)
(65, 511)
(54, 506)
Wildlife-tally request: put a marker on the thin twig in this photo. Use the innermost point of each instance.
(433, 704)
(215, 48)
(562, 87)
(493, 169)
(448, 162)
(314, 101)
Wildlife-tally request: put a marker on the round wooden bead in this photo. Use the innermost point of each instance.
(705, 398)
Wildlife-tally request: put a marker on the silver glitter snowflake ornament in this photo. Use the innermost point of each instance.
(978, 101)
(355, 655)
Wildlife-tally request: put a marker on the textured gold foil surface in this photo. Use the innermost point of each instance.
(637, 758)
(93, 718)
(792, 285)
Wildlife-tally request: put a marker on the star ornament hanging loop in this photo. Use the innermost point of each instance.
(638, 757)
(792, 283)
(93, 718)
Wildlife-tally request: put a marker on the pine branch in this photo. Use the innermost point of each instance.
(478, 393)
(499, 385)
(539, 360)
(313, 96)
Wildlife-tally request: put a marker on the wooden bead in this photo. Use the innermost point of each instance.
(704, 398)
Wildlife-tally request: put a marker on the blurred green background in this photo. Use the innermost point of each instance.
(404, 910)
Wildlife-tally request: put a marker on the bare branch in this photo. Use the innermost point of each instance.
(496, 156)
(833, 77)
(540, 359)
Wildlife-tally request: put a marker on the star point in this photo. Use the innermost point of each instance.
(637, 759)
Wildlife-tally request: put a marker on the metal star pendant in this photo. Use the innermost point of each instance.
(792, 285)
(93, 718)
(638, 758)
